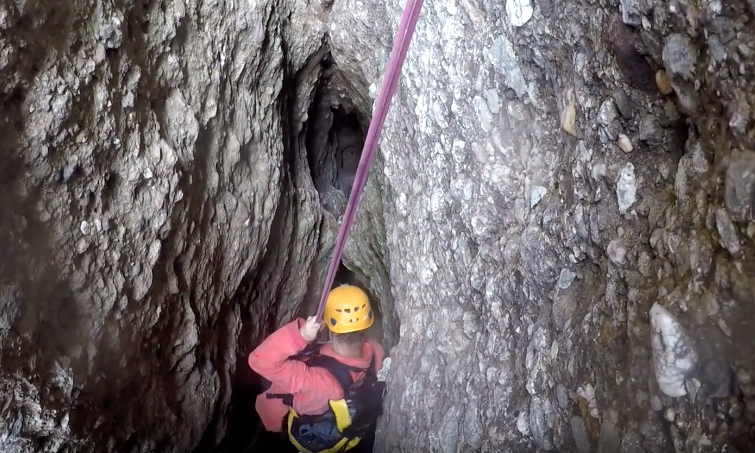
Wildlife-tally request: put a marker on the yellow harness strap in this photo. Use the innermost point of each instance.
(343, 420)
(341, 411)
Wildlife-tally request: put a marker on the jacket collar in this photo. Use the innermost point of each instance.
(359, 362)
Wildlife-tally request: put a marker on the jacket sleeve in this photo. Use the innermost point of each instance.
(270, 359)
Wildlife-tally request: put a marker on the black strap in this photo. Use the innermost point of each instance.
(288, 398)
(370, 371)
(308, 351)
(340, 371)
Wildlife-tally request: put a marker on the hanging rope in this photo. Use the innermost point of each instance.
(392, 73)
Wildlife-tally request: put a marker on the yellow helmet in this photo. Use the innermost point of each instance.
(347, 310)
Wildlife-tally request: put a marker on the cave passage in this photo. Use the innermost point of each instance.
(334, 140)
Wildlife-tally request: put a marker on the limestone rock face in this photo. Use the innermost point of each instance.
(557, 230)
(145, 181)
(525, 260)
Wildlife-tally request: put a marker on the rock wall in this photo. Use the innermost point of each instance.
(149, 203)
(562, 225)
(528, 258)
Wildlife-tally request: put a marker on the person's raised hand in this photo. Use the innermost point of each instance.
(310, 329)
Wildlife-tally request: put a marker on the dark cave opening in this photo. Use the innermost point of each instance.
(334, 140)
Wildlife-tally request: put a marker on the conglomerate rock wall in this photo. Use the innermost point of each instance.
(558, 229)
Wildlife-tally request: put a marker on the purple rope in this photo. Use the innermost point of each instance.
(392, 73)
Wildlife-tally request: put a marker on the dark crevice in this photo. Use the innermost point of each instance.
(334, 140)
(332, 137)
(244, 425)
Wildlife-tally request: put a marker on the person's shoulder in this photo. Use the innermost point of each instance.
(378, 352)
(375, 344)
(324, 382)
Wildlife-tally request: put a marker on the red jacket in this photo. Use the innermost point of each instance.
(311, 387)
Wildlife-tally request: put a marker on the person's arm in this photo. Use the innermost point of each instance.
(270, 359)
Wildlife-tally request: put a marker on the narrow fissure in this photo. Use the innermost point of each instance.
(333, 136)
(334, 140)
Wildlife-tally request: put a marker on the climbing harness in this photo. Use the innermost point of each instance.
(347, 420)
(398, 54)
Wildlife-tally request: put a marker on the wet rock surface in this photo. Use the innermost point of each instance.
(558, 228)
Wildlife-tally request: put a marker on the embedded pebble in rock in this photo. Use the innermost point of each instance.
(616, 252)
(536, 194)
(502, 56)
(607, 113)
(588, 394)
(674, 356)
(624, 104)
(631, 12)
(625, 144)
(679, 55)
(386, 368)
(607, 117)
(174, 176)
(655, 403)
(728, 231)
(563, 396)
(664, 84)
(493, 101)
(568, 114)
(541, 422)
(566, 278)
(519, 12)
(522, 423)
(693, 387)
(740, 186)
(651, 131)
(485, 116)
(579, 432)
(610, 440)
(626, 188)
